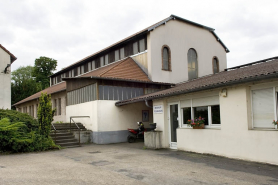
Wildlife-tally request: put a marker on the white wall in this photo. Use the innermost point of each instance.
(142, 60)
(235, 138)
(105, 116)
(180, 37)
(5, 81)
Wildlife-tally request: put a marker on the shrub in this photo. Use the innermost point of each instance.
(16, 137)
(15, 116)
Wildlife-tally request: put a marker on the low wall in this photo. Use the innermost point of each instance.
(85, 136)
(153, 139)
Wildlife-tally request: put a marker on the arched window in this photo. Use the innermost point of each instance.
(166, 58)
(192, 64)
(215, 65)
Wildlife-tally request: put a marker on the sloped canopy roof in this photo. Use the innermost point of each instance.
(263, 69)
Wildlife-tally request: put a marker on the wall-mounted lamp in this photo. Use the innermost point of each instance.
(224, 92)
(6, 68)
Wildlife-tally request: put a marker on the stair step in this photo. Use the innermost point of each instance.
(67, 144)
(65, 141)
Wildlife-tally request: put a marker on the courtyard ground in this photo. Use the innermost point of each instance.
(129, 164)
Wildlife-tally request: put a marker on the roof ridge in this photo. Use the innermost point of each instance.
(113, 67)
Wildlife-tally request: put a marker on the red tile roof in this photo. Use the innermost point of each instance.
(126, 69)
(13, 58)
(50, 90)
(247, 73)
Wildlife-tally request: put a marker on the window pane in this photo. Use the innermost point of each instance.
(125, 93)
(117, 57)
(93, 65)
(116, 93)
(120, 92)
(215, 66)
(135, 48)
(122, 52)
(101, 61)
(215, 114)
(186, 114)
(111, 92)
(165, 58)
(192, 64)
(201, 112)
(100, 92)
(105, 92)
(106, 59)
(142, 45)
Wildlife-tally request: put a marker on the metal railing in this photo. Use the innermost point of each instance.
(76, 125)
(55, 131)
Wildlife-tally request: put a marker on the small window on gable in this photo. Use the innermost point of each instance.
(192, 64)
(117, 57)
(166, 58)
(135, 48)
(215, 65)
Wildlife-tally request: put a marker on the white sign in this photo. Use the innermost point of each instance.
(158, 109)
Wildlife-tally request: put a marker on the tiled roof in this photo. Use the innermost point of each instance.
(50, 90)
(146, 30)
(256, 71)
(13, 58)
(126, 69)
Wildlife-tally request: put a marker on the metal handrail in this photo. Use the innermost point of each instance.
(55, 131)
(77, 125)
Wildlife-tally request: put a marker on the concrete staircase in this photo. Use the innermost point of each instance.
(63, 136)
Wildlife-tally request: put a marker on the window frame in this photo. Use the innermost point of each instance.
(215, 57)
(169, 58)
(196, 65)
(210, 124)
(274, 86)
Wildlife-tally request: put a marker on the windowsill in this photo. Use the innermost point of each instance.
(206, 127)
(263, 129)
(166, 70)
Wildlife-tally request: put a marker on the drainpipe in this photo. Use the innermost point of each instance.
(147, 104)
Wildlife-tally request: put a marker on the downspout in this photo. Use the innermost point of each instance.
(147, 104)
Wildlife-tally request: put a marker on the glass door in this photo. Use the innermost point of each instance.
(174, 124)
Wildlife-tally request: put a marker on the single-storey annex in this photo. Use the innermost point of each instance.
(238, 104)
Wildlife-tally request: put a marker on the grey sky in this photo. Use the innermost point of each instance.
(71, 30)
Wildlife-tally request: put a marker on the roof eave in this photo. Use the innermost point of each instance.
(256, 78)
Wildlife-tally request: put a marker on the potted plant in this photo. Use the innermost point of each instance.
(197, 123)
(275, 122)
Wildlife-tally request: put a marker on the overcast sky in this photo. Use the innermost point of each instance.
(71, 30)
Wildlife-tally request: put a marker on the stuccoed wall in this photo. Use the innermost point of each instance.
(180, 37)
(235, 138)
(108, 122)
(5, 81)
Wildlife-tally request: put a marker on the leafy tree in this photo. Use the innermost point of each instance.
(43, 68)
(23, 84)
(45, 114)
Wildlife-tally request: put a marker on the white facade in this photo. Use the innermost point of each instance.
(180, 37)
(236, 136)
(5, 80)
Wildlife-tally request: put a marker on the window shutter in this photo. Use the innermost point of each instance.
(263, 108)
(213, 100)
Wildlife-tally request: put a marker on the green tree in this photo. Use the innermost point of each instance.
(23, 84)
(45, 114)
(43, 68)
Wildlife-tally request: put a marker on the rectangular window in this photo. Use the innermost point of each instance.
(72, 73)
(106, 59)
(215, 115)
(142, 45)
(101, 61)
(89, 66)
(117, 57)
(122, 53)
(263, 109)
(82, 69)
(93, 65)
(135, 48)
(201, 112)
(55, 106)
(186, 114)
(78, 70)
(59, 106)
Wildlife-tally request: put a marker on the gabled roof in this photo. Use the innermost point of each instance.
(13, 58)
(260, 70)
(142, 32)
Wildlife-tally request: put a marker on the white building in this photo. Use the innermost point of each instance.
(168, 52)
(239, 106)
(6, 59)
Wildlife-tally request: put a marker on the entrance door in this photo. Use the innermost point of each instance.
(174, 124)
